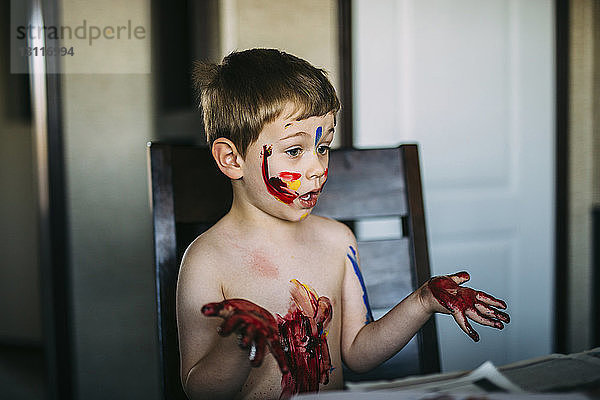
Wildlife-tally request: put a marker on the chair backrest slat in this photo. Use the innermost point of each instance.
(365, 183)
(197, 182)
(386, 283)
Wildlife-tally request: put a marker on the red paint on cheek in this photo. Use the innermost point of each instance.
(260, 264)
(325, 181)
(289, 176)
(275, 185)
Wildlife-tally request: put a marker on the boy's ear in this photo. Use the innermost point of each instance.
(227, 157)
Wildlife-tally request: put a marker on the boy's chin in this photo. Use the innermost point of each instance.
(297, 215)
(293, 214)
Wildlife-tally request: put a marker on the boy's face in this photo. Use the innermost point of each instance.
(286, 168)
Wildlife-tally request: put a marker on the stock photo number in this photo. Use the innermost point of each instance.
(47, 51)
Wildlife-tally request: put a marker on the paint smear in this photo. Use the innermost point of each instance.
(354, 261)
(304, 341)
(318, 135)
(254, 324)
(290, 176)
(459, 299)
(291, 179)
(298, 340)
(278, 188)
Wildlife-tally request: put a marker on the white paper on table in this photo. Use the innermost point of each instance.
(485, 379)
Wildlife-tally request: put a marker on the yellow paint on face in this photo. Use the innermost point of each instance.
(294, 185)
(303, 216)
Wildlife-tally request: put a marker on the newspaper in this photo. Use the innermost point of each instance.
(553, 377)
(554, 373)
(557, 372)
(485, 379)
(410, 395)
(556, 376)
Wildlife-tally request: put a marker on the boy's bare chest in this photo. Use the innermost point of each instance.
(301, 286)
(268, 276)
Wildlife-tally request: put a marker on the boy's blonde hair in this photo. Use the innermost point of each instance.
(252, 88)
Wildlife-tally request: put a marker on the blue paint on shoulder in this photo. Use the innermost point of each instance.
(318, 135)
(354, 261)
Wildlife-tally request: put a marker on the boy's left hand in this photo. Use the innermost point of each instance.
(443, 294)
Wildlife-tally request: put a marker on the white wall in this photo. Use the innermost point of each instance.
(307, 29)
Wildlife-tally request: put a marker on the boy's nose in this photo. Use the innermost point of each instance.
(316, 168)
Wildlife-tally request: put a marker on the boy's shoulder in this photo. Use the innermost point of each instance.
(206, 248)
(330, 230)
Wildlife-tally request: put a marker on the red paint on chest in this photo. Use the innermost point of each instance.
(260, 264)
(304, 341)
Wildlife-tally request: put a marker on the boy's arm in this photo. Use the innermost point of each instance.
(366, 344)
(211, 366)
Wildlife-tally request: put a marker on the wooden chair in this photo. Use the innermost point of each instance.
(362, 184)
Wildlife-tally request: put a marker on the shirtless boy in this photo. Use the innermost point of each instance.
(285, 282)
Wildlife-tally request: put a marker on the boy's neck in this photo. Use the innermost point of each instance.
(256, 220)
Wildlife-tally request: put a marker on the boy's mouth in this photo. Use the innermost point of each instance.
(309, 200)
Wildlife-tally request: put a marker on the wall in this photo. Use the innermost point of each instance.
(107, 122)
(584, 163)
(307, 29)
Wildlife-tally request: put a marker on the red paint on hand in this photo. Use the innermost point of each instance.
(255, 325)
(463, 302)
(298, 340)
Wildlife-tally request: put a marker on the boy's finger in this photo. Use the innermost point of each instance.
(278, 353)
(481, 319)
(491, 300)
(247, 336)
(492, 313)
(233, 323)
(257, 352)
(461, 320)
(460, 277)
(211, 309)
(245, 306)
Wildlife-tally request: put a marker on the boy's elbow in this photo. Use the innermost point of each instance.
(357, 369)
(357, 363)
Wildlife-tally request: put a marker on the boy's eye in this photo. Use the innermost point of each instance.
(323, 149)
(294, 152)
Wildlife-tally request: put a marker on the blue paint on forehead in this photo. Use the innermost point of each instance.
(318, 135)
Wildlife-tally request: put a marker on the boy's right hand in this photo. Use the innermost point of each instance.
(255, 325)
